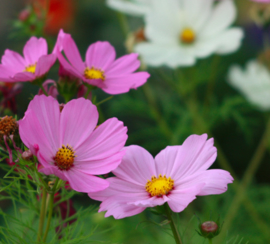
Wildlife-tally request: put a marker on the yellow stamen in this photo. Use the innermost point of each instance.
(64, 157)
(31, 68)
(187, 36)
(159, 186)
(94, 74)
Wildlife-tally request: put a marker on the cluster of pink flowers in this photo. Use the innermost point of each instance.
(69, 144)
(100, 69)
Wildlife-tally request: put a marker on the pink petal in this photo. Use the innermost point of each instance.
(196, 154)
(53, 171)
(124, 65)
(215, 181)
(59, 42)
(100, 55)
(69, 68)
(79, 118)
(122, 84)
(24, 76)
(118, 209)
(151, 201)
(32, 133)
(82, 182)
(13, 62)
(105, 141)
(5, 74)
(44, 64)
(122, 189)
(72, 53)
(102, 166)
(47, 111)
(137, 166)
(180, 199)
(34, 49)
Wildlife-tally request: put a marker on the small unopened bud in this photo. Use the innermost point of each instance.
(209, 227)
(24, 14)
(27, 155)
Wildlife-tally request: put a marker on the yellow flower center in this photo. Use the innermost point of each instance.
(94, 74)
(31, 68)
(159, 186)
(64, 157)
(187, 36)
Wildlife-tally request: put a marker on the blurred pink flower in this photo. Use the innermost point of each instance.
(52, 90)
(69, 145)
(35, 64)
(100, 67)
(261, 1)
(177, 175)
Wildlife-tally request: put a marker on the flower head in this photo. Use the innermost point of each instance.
(180, 31)
(68, 144)
(100, 67)
(177, 175)
(35, 63)
(253, 83)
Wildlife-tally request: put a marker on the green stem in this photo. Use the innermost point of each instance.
(50, 209)
(89, 89)
(210, 241)
(247, 178)
(43, 90)
(42, 214)
(175, 232)
(49, 216)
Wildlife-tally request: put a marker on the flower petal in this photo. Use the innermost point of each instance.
(72, 53)
(124, 65)
(223, 15)
(13, 62)
(137, 166)
(100, 55)
(44, 64)
(82, 182)
(122, 84)
(214, 181)
(34, 49)
(32, 133)
(47, 111)
(80, 114)
(180, 199)
(105, 141)
(196, 154)
(53, 171)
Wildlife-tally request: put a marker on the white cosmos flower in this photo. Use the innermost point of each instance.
(253, 83)
(180, 31)
(132, 7)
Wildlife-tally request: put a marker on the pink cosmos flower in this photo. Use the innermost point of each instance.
(68, 144)
(35, 63)
(100, 67)
(177, 175)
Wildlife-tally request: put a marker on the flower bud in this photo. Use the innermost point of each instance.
(8, 126)
(27, 155)
(24, 14)
(209, 229)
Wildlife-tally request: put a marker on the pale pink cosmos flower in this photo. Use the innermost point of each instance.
(35, 63)
(101, 69)
(176, 175)
(68, 144)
